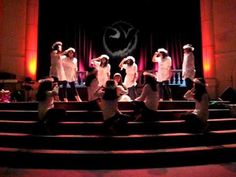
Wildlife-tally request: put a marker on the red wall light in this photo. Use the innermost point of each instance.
(206, 67)
(31, 39)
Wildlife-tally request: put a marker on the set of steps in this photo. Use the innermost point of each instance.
(80, 142)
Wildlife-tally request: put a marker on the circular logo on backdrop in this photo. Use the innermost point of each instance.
(120, 39)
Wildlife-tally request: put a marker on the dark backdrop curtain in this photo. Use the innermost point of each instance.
(135, 28)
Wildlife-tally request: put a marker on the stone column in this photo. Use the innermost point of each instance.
(31, 38)
(208, 47)
(1, 24)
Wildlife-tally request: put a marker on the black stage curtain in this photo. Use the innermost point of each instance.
(119, 28)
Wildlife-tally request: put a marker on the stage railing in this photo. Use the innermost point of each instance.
(81, 77)
(176, 78)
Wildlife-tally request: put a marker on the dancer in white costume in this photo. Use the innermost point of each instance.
(164, 72)
(104, 68)
(131, 76)
(188, 66)
(70, 68)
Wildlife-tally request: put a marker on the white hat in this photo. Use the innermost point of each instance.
(70, 49)
(104, 56)
(188, 46)
(57, 43)
(145, 73)
(49, 79)
(162, 50)
(131, 58)
(117, 74)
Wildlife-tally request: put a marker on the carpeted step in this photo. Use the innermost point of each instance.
(116, 159)
(73, 105)
(153, 127)
(116, 142)
(84, 115)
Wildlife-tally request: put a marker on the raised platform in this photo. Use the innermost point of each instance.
(178, 91)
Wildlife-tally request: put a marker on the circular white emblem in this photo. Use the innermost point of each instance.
(120, 39)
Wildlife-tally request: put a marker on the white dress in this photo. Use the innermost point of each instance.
(103, 73)
(149, 97)
(201, 108)
(131, 75)
(70, 68)
(56, 68)
(122, 93)
(44, 106)
(188, 66)
(164, 67)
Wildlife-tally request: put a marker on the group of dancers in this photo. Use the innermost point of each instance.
(107, 92)
(64, 70)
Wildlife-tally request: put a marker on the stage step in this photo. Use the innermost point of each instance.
(125, 159)
(116, 142)
(84, 115)
(77, 127)
(72, 105)
(79, 140)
